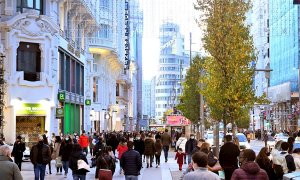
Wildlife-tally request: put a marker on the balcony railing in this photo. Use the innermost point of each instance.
(102, 42)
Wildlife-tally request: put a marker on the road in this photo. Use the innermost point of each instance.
(167, 171)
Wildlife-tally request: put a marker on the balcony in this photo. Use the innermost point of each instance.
(124, 79)
(100, 44)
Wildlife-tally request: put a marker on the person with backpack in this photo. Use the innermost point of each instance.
(104, 162)
(283, 162)
(77, 155)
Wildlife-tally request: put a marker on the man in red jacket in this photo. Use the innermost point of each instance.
(84, 142)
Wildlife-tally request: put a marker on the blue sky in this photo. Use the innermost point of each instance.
(155, 13)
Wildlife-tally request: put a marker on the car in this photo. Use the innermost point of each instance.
(281, 136)
(210, 139)
(243, 141)
(296, 144)
(270, 143)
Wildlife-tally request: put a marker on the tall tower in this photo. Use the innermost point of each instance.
(172, 62)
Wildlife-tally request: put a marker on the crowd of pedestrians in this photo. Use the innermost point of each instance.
(131, 149)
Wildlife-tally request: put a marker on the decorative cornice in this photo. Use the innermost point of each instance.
(32, 24)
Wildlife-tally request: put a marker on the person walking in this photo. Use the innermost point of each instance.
(158, 148)
(122, 147)
(180, 155)
(189, 146)
(131, 163)
(149, 150)
(84, 142)
(228, 157)
(262, 159)
(92, 143)
(18, 150)
(65, 152)
(40, 156)
(8, 170)
(77, 154)
(45, 141)
(166, 141)
(249, 169)
(139, 144)
(200, 169)
(105, 161)
(55, 155)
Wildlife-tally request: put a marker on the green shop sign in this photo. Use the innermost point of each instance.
(61, 96)
(31, 109)
(88, 102)
(59, 112)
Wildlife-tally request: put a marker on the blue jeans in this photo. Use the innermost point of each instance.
(65, 166)
(166, 149)
(189, 158)
(39, 171)
(78, 177)
(131, 177)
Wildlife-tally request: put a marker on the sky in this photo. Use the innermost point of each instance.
(156, 12)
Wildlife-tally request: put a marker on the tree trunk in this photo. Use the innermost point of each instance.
(217, 143)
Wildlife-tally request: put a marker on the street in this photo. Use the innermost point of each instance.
(167, 171)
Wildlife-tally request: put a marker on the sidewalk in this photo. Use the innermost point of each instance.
(167, 171)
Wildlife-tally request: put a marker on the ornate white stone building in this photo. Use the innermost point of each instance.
(64, 67)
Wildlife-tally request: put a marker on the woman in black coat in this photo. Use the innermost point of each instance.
(139, 145)
(65, 152)
(77, 154)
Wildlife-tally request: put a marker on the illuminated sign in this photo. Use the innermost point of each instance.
(31, 109)
(61, 96)
(88, 102)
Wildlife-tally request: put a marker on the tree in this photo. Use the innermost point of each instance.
(190, 98)
(229, 70)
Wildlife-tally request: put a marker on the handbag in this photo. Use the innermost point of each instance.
(58, 162)
(82, 165)
(217, 167)
(105, 174)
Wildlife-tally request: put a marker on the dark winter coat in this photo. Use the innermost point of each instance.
(190, 145)
(45, 153)
(131, 162)
(267, 166)
(149, 147)
(65, 151)
(105, 162)
(166, 139)
(75, 156)
(228, 156)
(18, 149)
(250, 171)
(98, 147)
(158, 148)
(139, 146)
(113, 142)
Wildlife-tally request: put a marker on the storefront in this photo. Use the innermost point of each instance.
(178, 125)
(30, 121)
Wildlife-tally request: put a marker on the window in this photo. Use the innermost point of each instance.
(96, 89)
(104, 31)
(29, 60)
(30, 4)
(104, 3)
(61, 70)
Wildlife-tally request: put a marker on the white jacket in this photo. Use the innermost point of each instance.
(181, 143)
(297, 161)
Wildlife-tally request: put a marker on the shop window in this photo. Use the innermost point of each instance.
(22, 5)
(29, 60)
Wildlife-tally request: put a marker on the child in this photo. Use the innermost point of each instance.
(180, 156)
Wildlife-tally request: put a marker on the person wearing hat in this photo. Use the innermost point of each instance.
(40, 156)
(18, 150)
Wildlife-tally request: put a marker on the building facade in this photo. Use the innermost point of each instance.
(172, 61)
(258, 18)
(63, 61)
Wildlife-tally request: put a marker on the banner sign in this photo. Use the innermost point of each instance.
(177, 120)
(59, 113)
(127, 35)
(31, 109)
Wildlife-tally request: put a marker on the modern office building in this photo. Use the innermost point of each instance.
(172, 61)
(284, 61)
